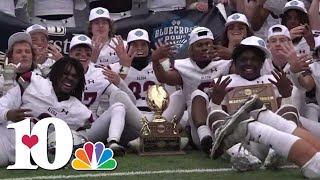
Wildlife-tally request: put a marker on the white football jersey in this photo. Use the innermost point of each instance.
(316, 76)
(39, 96)
(302, 47)
(139, 82)
(194, 77)
(95, 86)
(108, 55)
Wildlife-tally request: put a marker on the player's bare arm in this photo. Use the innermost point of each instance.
(171, 77)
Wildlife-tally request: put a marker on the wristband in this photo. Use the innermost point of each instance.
(166, 64)
(124, 70)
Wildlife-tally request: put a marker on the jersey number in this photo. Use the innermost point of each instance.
(137, 88)
(89, 96)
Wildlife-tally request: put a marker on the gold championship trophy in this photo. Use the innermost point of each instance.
(159, 137)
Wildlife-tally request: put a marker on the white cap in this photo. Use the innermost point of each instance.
(99, 12)
(36, 28)
(138, 34)
(257, 42)
(199, 33)
(278, 29)
(80, 39)
(294, 4)
(17, 37)
(236, 17)
(317, 41)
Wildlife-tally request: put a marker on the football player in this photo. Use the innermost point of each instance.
(111, 122)
(137, 72)
(58, 96)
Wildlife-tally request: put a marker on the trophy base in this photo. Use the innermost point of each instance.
(160, 146)
(161, 141)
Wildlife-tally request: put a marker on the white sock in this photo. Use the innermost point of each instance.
(203, 131)
(281, 142)
(133, 115)
(175, 107)
(312, 168)
(312, 126)
(276, 121)
(118, 113)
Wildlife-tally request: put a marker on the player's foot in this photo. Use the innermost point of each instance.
(184, 141)
(273, 160)
(234, 129)
(244, 161)
(116, 148)
(134, 144)
(206, 144)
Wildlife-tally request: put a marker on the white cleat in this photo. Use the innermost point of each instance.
(117, 149)
(134, 144)
(184, 141)
(273, 160)
(245, 161)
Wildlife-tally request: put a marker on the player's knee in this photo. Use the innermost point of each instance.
(118, 105)
(199, 94)
(119, 96)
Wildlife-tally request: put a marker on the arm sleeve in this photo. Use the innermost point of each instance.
(124, 87)
(12, 100)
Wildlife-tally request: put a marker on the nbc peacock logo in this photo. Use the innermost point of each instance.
(94, 157)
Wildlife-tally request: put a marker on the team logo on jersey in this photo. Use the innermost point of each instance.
(94, 157)
(82, 38)
(100, 11)
(294, 3)
(174, 31)
(138, 33)
(235, 17)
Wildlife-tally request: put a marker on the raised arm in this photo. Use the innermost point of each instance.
(170, 77)
(314, 16)
(255, 12)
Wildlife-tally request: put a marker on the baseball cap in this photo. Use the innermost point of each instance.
(236, 17)
(278, 29)
(294, 4)
(36, 28)
(199, 33)
(99, 12)
(138, 34)
(17, 37)
(257, 42)
(80, 39)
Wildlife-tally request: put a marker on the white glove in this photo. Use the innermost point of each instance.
(9, 73)
(45, 69)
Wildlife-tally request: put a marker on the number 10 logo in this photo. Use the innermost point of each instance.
(34, 142)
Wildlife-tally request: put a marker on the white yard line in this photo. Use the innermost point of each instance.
(105, 174)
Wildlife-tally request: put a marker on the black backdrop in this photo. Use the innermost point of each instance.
(172, 27)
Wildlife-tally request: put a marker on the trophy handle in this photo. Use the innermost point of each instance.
(145, 130)
(175, 122)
